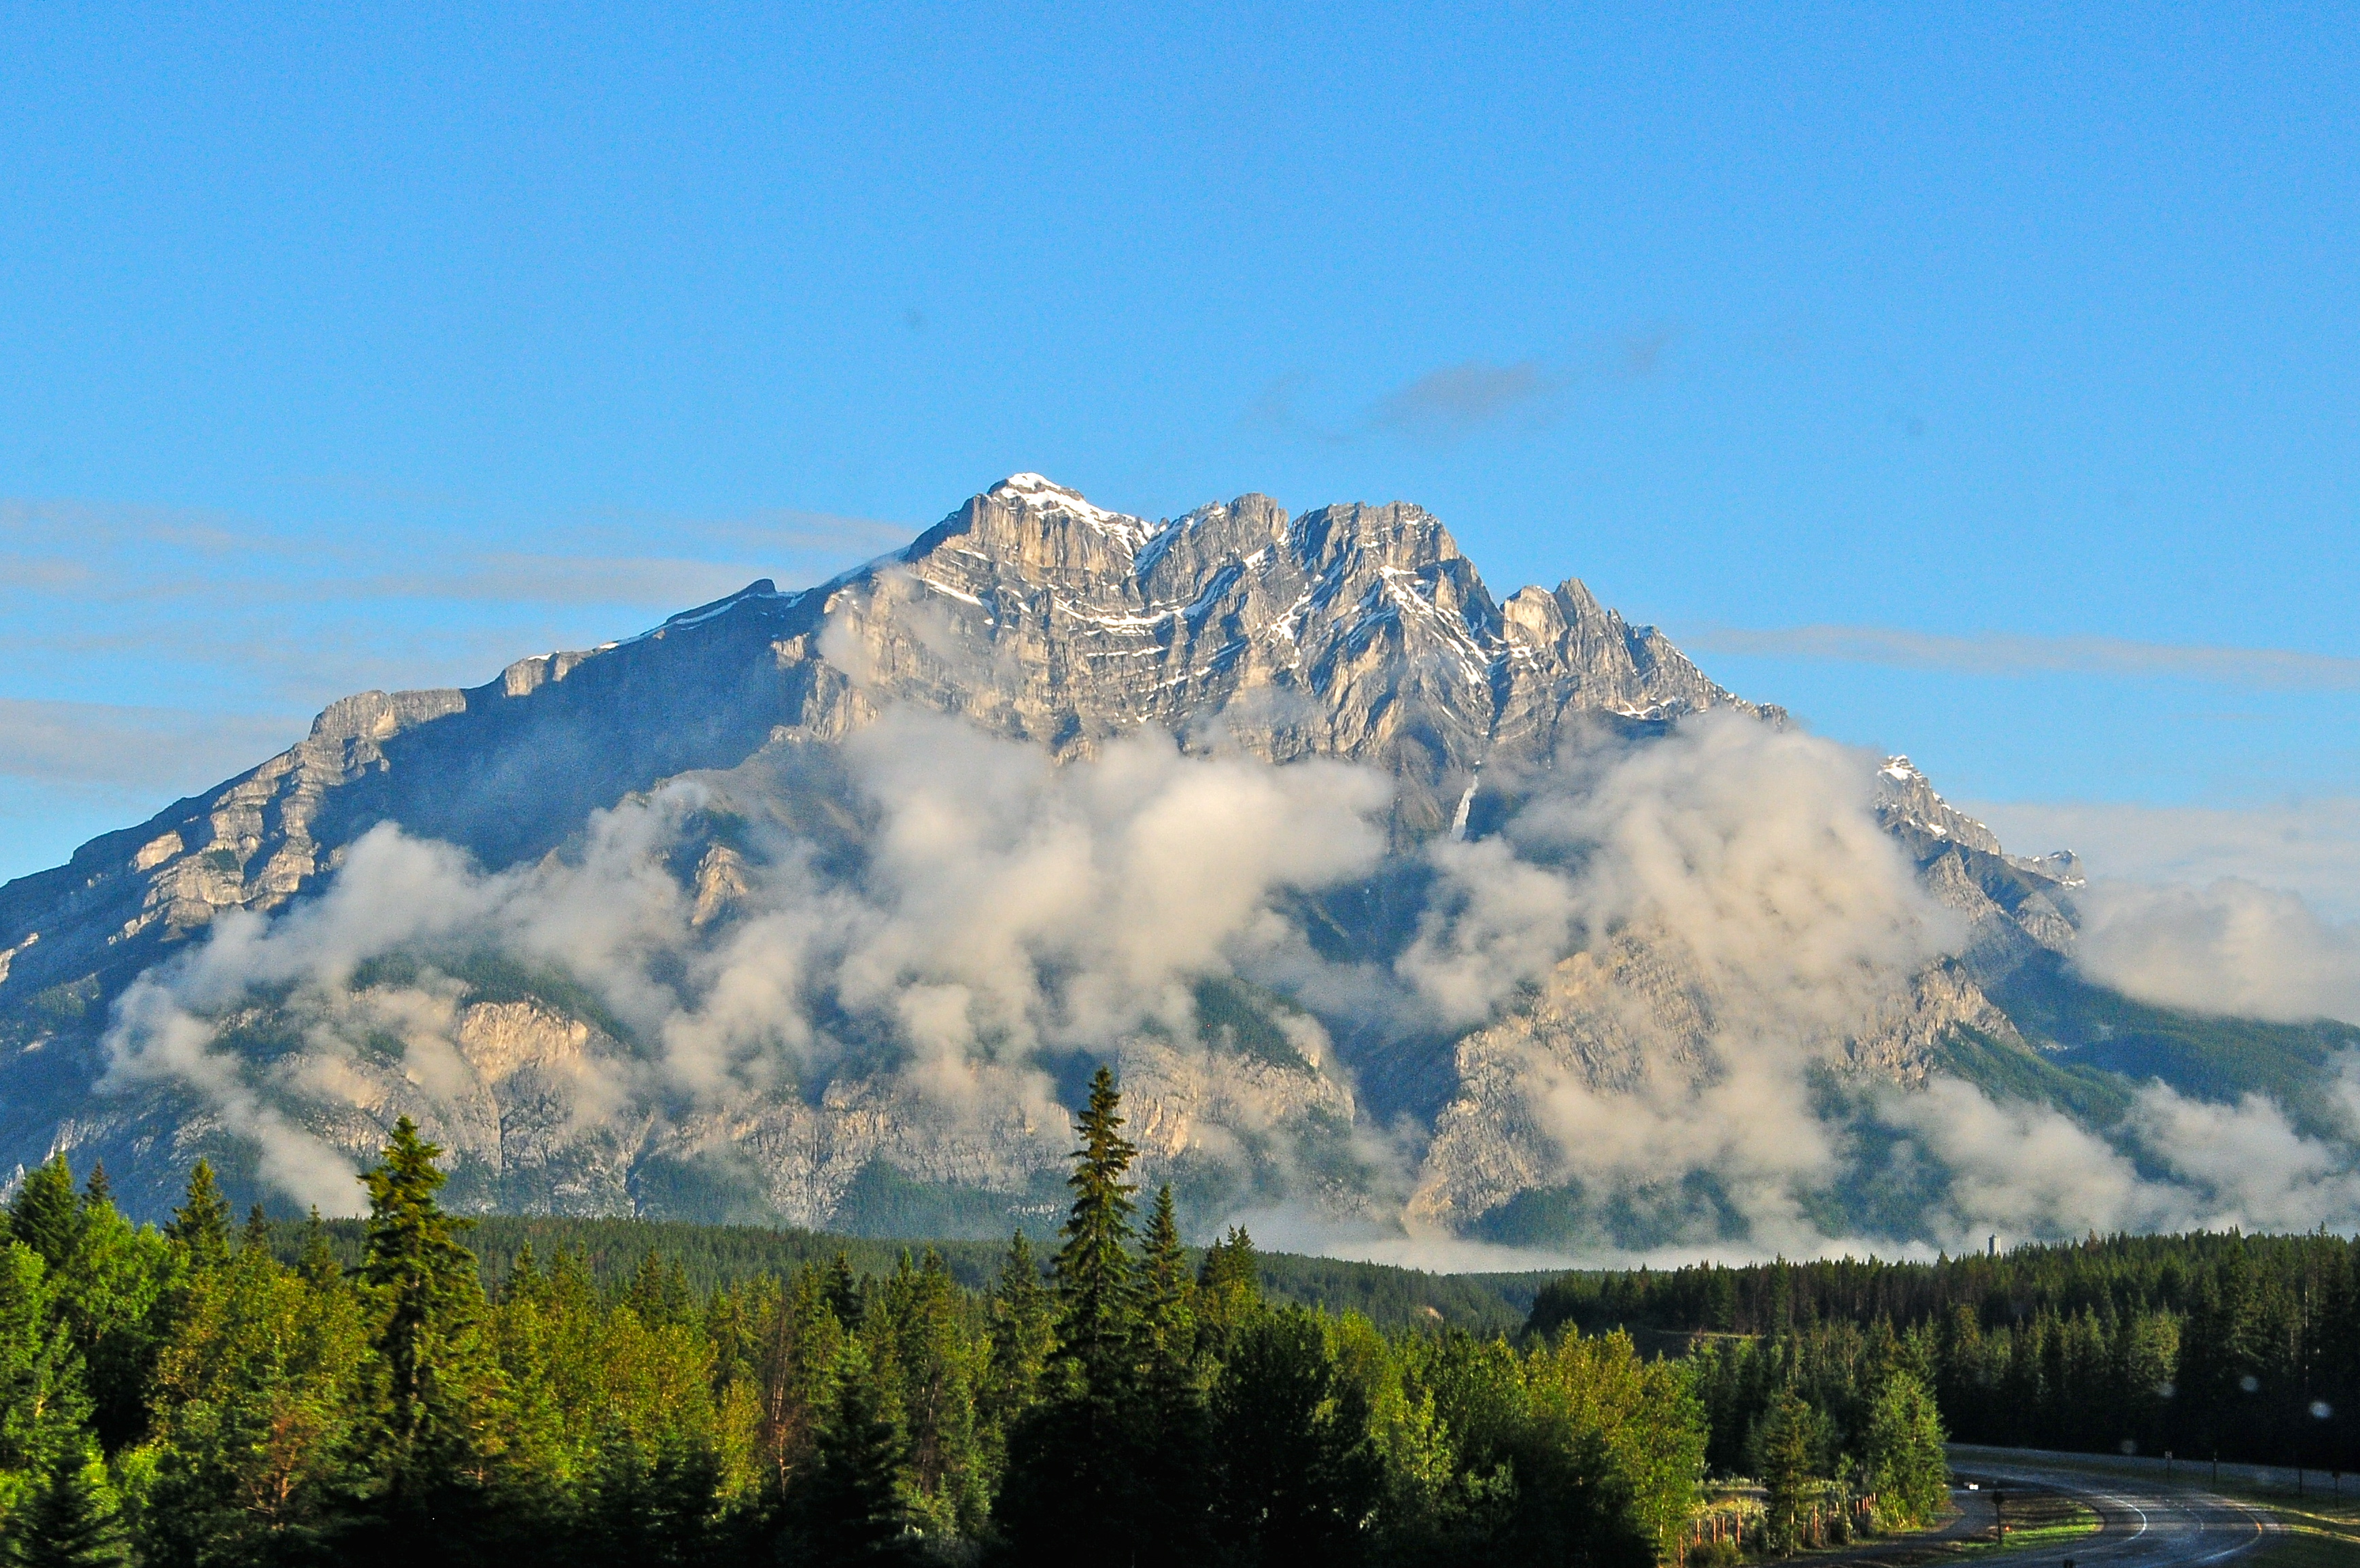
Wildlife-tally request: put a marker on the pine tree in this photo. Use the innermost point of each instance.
(71, 1520)
(1229, 1290)
(1024, 1336)
(319, 1266)
(849, 1510)
(1167, 1283)
(1096, 1471)
(45, 1216)
(1902, 1447)
(1099, 1306)
(1787, 1464)
(423, 1283)
(98, 1191)
(43, 1403)
(201, 1224)
(844, 1291)
(256, 1237)
(524, 1282)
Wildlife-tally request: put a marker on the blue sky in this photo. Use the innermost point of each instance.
(1982, 385)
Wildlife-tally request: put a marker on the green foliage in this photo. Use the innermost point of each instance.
(1789, 1456)
(421, 1283)
(71, 1519)
(45, 1215)
(851, 1509)
(2249, 1345)
(1901, 1450)
(1299, 1471)
(256, 1397)
(1098, 1308)
(201, 1224)
(43, 1404)
(322, 1393)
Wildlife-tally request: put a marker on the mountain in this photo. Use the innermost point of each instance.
(772, 1023)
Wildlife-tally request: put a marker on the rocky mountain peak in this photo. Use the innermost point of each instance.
(1353, 630)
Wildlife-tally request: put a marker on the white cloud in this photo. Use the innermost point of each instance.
(2014, 653)
(2229, 947)
(2306, 846)
(1006, 904)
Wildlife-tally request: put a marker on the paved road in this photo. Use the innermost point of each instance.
(2144, 1523)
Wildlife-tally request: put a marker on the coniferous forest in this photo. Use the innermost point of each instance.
(205, 1393)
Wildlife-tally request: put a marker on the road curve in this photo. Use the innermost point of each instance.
(2144, 1523)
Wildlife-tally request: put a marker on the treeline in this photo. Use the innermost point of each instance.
(2244, 1346)
(714, 1257)
(188, 1396)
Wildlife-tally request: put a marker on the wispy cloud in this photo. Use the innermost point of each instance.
(2306, 846)
(1451, 402)
(2004, 653)
(568, 580)
(134, 748)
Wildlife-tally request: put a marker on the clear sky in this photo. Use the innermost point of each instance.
(1981, 383)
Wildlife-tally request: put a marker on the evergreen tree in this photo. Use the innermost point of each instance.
(1024, 1336)
(1787, 1445)
(437, 1384)
(1099, 1303)
(524, 1282)
(1229, 1290)
(257, 1235)
(843, 1291)
(71, 1520)
(936, 1365)
(98, 1191)
(319, 1266)
(1902, 1449)
(43, 1404)
(201, 1224)
(1166, 1286)
(45, 1215)
(1096, 1471)
(850, 1511)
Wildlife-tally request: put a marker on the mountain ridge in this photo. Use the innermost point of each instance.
(740, 740)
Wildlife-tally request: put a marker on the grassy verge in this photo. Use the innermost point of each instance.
(2309, 1535)
(2037, 1519)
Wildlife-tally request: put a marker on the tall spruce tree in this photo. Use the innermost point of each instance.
(71, 1520)
(44, 1214)
(1098, 1299)
(1166, 1286)
(1024, 1336)
(1096, 1474)
(318, 1265)
(429, 1304)
(1787, 1445)
(850, 1511)
(844, 1291)
(201, 1224)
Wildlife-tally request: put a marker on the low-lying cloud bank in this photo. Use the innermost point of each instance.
(1714, 915)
